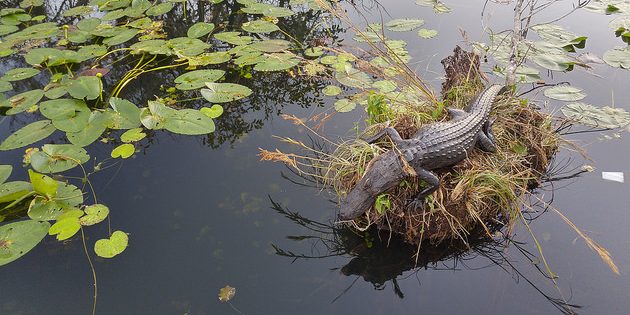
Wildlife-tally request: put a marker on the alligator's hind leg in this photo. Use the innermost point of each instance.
(431, 179)
(485, 138)
(390, 131)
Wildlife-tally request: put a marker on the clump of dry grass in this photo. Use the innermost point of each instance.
(481, 190)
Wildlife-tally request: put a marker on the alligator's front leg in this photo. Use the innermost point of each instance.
(390, 131)
(485, 138)
(431, 179)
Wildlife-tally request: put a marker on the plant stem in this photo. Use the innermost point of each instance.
(87, 254)
(510, 70)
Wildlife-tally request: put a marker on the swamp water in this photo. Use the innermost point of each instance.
(199, 214)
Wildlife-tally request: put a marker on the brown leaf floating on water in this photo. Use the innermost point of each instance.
(226, 293)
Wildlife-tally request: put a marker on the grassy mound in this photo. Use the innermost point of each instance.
(483, 190)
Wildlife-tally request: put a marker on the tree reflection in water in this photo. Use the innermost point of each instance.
(272, 91)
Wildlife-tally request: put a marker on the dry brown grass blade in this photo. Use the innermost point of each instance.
(599, 249)
(603, 253)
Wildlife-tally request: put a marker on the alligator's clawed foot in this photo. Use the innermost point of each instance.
(416, 205)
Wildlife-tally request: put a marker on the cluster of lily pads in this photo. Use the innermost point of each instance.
(78, 102)
(558, 49)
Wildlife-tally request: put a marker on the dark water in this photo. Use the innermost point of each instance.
(199, 217)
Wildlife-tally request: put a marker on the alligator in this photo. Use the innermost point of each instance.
(432, 147)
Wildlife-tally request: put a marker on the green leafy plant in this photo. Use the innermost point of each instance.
(382, 203)
(377, 110)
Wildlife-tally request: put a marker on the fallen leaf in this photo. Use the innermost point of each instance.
(226, 293)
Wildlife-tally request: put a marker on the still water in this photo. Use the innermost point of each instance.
(199, 215)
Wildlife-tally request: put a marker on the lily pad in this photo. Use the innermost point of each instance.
(155, 115)
(116, 244)
(93, 130)
(189, 122)
(55, 158)
(233, 38)
(5, 172)
(438, 6)
(65, 228)
(260, 26)
(153, 46)
(69, 115)
(50, 56)
(404, 25)
(123, 115)
(185, 46)
(88, 87)
(313, 52)
(62, 108)
(88, 24)
(385, 86)
(225, 92)
(353, 78)
(618, 58)
(55, 92)
(22, 101)
(133, 135)
(124, 151)
(113, 15)
(5, 86)
(212, 58)
(598, 117)
(554, 62)
(197, 79)
(18, 238)
(7, 29)
(123, 36)
(18, 74)
(331, 90)
(28, 134)
(31, 3)
(94, 214)
(43, 185)
(78, 10)
(276, 62)
(160, 9)
(564, 93)
(271, 45)
(12, 191)
(427, 33)
(200, 29)
(213, 112)
(344, 105)
(267, 10)
(559, 37)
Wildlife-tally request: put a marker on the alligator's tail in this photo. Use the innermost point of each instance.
(383, 173)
